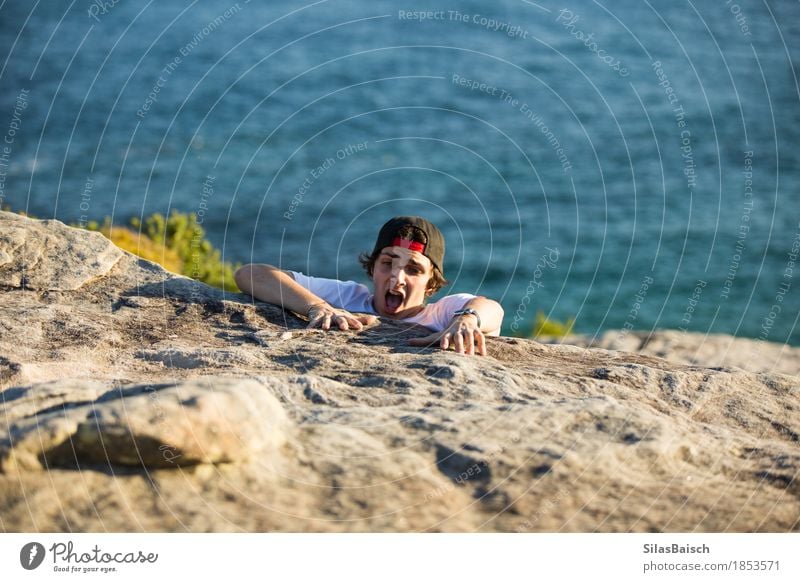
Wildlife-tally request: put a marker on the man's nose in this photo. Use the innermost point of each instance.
(398, 277)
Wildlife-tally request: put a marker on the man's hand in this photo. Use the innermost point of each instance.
(463, 333)
(323, 315)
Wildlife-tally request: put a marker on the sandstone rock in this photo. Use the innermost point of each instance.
(138, 400)
(693, 348)
(205, 420)
(50, 256)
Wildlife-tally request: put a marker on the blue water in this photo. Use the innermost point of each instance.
(638, 204)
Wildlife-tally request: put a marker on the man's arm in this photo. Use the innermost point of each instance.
(272, 285)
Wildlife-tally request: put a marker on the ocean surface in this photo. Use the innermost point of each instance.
(634, 165)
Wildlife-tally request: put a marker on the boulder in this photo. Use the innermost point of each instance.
(48, 255)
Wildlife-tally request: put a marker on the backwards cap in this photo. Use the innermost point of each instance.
(434, 249)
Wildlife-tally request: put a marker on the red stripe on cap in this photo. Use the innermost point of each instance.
(408, 244)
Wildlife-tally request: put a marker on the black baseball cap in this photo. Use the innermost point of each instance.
(433, 249)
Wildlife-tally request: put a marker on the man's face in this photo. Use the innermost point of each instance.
(401, 277)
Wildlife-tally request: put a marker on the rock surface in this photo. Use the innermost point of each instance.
(138, 400)
(712, 350)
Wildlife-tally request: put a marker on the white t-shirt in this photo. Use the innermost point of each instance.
(357, 298)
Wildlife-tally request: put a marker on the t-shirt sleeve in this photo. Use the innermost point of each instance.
(348, 295)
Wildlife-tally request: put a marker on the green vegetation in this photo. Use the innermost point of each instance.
(544, 327)
(7, 208)
(177, 243)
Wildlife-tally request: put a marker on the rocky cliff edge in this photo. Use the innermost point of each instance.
(133, 399)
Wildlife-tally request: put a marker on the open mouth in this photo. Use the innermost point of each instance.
(393, 301)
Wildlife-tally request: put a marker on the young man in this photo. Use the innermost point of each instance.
(406, 267)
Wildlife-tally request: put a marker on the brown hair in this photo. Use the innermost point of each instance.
(412, 233)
